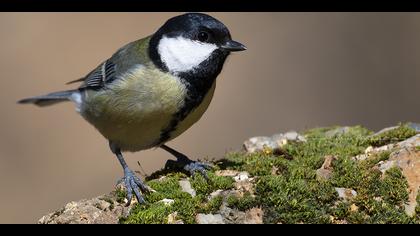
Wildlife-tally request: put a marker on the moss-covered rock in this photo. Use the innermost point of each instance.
(392, 135)
(285, 187)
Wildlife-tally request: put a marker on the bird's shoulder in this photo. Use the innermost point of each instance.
(132, 54)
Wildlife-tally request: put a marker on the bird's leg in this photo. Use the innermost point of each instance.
(185, 163)
(131, 182)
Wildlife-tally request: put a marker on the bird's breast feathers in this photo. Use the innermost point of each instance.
(135, 108)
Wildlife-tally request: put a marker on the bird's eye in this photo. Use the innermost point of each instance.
(203, 36)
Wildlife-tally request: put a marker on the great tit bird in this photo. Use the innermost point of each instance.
(152, 90)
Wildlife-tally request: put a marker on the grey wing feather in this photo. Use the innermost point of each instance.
(109, 70)
(98, 78)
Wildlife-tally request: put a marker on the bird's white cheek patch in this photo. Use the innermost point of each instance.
(181, 54)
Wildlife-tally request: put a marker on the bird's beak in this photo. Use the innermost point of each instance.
(233, 46)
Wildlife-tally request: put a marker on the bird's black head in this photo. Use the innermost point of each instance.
(192, 45)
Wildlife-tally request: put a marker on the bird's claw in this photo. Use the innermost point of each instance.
(195, 166)
(132, 183)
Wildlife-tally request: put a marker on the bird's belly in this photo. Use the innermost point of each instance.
(133, 113)
(135, 135)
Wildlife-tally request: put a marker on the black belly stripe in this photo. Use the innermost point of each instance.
(195, 96)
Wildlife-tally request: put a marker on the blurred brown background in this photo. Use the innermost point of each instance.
(301, 70)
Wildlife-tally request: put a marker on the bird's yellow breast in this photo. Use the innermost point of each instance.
(134, 109)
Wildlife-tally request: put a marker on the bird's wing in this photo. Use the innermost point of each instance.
(100, 76)
(109, 70)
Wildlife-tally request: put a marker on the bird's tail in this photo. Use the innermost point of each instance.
(51, 98)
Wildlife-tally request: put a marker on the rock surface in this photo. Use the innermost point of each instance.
(326, 169)
(167, 202)
(233, 216)
(209, 219)
(101, 210)
(346, 193)
(275, 142)
(337, 131)
(186, 187)
(172, 218)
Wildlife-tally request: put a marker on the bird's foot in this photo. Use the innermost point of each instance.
(200, 167)
(192, 167)
(132, 183)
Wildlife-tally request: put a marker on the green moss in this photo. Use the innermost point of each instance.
(185, 205)
(375, 159)
(381, 199)
(354, 131)
(255, 164)
(120, 195)
(187, 208)
(296, 200)
(167, 188)
(395, 135)
(204, 187)
(357, 218)
(294, 195)
(242, 203)
(383, 156)
(341, 211)
(211, 206)
(394, 187)
(288, 190)
(155, 212)
(347, 173)
(377, 212)
(149, 214)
